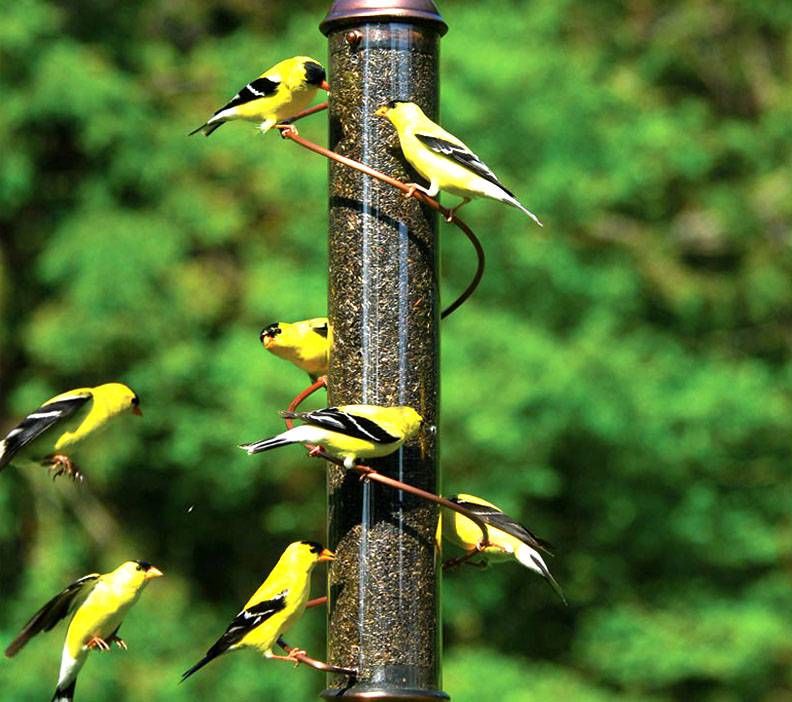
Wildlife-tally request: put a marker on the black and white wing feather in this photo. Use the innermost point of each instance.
(345, 423)
(259, 88)
(36, 423)
(244, 622)
(492, 516)
(58, 608)
(463, 156)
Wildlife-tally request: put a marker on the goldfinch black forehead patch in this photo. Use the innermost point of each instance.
(314, 73)
(315, 547)
(145, 566)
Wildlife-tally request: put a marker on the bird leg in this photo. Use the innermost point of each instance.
(286, 128)
(291, 657)
(315, 451)
(97, 642)
(60, 464)
(465, 558)
(412, 187)
(118, 641)
(450, 216)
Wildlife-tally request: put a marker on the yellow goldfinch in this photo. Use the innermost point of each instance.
(277, 94)
(507, 538)
(349, 431)
(99, 603)
(62, 422)
(306, 344)
(443, 159)
(274, 607)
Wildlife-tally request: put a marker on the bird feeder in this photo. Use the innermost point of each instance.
(383, 610)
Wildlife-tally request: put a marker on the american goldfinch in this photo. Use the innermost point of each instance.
(277, 94)
(99, 603)
(507, 538)
(306, 344)
(274, 607)
(62, 422)
(349, 431)
(443, 159)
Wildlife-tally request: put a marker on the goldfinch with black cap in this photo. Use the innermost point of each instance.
(62, 422)
(507, 538)
(445, 161)
(306, 344)
(274, 608)
(99, 604)
(348, 432)
(276, 95)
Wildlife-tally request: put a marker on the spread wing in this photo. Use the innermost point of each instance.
(351, 425)
(492, 516)
(463, 156)
(59, 607)
(244, 622)
(259, 88)
(36, 423)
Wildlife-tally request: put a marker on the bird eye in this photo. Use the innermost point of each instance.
(139, 567)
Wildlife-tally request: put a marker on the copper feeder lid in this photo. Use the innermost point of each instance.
(354, 11)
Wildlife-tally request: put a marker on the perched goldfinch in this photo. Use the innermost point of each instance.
(443, 159)
(99, 603)
(306, 344)
(274, 608)
(62, 422)
(349, 431)
(277, 94)
(507, 538)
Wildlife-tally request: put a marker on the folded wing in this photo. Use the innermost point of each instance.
(352, 425)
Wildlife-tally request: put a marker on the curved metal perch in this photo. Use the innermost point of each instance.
(368, 473)
(290, 132)
(315, 664)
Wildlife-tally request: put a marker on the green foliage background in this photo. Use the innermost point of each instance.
(638, 345)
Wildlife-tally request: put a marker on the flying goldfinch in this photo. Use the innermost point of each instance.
(99, 603)
(277, 94)
(507, 538)
(62, 422)
(306, 344)
(348, 432)
(274, 607)
(443, 159)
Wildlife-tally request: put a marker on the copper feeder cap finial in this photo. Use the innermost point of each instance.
(354, 11)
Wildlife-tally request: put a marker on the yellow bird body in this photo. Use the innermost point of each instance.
(99, 603)
(272, 610)
(306, 344)
(276, 95)
(64, 421)
(348, 432)
(443, 159)
(507, 539)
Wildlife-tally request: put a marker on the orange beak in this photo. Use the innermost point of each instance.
(136, 410)
(153, 572)
(268, 341)
(324, 85)
(325, 555)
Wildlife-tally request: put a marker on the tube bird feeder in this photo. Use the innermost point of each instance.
(383, 610)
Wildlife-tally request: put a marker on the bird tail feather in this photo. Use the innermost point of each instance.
(266, 444)
(65, 694)
(200, 664)
(207, 128)
(531, 559)
(3, 463)
(514, 202)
